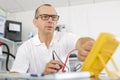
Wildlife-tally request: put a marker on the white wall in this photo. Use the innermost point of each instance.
(104, 17)
(75, 19)
(84, 20)
(2, 12)
(88, 19)
(91, 19)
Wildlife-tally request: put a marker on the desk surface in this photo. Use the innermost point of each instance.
(7, 76)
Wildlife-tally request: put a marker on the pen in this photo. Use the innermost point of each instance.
(53, 56)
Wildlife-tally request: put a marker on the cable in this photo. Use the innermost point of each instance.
(60, 60)
(8, 54)
(7, 59)
(77, 67)
(67, 58)
(63, 69)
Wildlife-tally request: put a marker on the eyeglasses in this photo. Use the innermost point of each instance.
(46, 17)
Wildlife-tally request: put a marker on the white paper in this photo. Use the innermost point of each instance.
(14, 27)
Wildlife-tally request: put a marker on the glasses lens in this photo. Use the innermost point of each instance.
(46, 17)
(55, 17)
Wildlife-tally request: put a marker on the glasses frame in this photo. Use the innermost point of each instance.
(46, 17)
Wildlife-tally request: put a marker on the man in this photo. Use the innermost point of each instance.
(47, 51)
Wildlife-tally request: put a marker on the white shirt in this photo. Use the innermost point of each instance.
(32, 56)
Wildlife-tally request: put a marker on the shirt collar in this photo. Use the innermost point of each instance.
(36, 40)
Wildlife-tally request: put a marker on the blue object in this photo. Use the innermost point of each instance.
(37, 75)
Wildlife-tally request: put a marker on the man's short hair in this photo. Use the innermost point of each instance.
(37, 10)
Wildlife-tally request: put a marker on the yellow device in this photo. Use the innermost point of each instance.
(100, 54)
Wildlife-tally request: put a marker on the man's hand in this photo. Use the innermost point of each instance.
(84, 45)
(53, 66)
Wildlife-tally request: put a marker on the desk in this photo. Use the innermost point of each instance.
(7, 76)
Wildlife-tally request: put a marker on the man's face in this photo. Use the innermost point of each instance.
(46, 22)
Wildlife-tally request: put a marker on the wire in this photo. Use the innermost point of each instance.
(54, 52)
(8, 54)
(63, 69)
(7, 59)
(67, 59)
(77, 67)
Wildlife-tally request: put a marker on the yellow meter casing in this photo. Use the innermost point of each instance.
(100, 54)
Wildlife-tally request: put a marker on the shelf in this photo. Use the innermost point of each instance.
(12, 45)
(2, 58)
(5, 40)
(2, 39)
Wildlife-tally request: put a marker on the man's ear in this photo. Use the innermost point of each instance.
(35, 22)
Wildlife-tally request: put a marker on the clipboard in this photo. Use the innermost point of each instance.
(100, 54)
